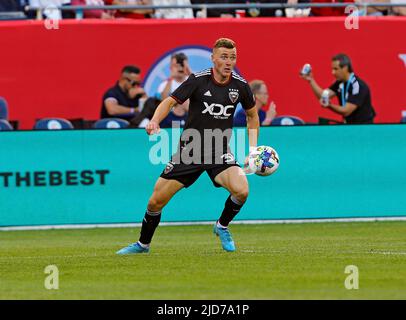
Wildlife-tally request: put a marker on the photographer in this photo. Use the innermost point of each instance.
(179, 72)
(353, 93)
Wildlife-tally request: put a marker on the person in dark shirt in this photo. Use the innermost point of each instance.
(353, 93)
(10, 5)
(213, 94)
(122, 100)
(218, 12)
(266, 112)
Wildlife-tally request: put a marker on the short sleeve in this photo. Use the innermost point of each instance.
(334, 87)
(355, 94)
(110, 94)
(185, 90)
(247, 97)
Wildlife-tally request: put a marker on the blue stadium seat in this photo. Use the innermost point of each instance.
(287, 121)
(5, 125)
(3, 109)
(111, 123)
(53, 124)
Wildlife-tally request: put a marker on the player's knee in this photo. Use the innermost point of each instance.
(155, 204)
(241, 194)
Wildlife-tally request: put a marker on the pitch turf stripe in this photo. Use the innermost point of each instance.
(189, 223)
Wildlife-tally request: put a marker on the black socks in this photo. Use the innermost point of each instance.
(231, 209)
(149, 224)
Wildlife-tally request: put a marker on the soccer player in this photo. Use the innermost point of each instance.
(214, 94)
(353, 93)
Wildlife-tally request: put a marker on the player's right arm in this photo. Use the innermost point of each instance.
(161, 113)
(179, 96)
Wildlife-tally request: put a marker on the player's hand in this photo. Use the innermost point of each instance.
(152, 127)
(246, 168)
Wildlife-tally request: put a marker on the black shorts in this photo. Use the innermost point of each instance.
(187, 174)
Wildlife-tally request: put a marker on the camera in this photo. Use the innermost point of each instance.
(180, 58)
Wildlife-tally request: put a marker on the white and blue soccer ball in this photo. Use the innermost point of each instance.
(263, 161)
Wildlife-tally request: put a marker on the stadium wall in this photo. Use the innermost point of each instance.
(64, 72)
(106, 176)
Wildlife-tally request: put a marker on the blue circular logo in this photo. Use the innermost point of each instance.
(199, 59)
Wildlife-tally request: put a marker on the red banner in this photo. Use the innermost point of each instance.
(64, 72)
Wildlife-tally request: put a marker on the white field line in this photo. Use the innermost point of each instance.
(131, 225)
(87, 256)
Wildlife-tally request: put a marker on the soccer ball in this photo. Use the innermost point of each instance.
(263, 161)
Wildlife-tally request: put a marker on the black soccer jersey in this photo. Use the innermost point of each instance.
(357, 92)
(212, 106)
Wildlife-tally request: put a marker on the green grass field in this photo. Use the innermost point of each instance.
(290, 261)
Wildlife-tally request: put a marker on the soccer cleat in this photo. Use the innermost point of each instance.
(133, 248)
(225, 237)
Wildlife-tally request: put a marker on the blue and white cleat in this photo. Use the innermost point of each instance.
(133, 248)
(225, 237)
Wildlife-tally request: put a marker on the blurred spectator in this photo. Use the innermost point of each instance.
(254, 12)
(172, 13)
(297, 12)
(216, 13)
(99, 14)
(266, 112)
(10, 5)
(373, 11)
(329, 11)
(51, 12)
(276, 12)
(122, 100)
(131, 13)
(399, 11)
(179, 72)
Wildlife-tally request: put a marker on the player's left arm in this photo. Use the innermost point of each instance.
(252, 126)
(253, 133)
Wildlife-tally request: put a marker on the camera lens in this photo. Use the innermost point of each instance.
(180, 60)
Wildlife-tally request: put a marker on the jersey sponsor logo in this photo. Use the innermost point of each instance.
(217, 110)
(208, 93)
